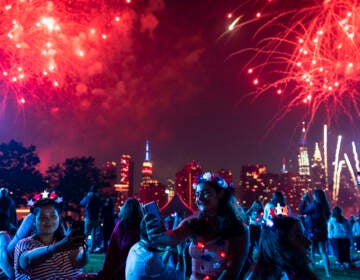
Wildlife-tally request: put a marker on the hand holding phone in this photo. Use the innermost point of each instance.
(152, 208)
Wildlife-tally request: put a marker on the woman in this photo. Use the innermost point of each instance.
(255, 215)
(125, 234)
(317, 215)
(282, 252)
(219, 238)
(339, 230)
(50, 253)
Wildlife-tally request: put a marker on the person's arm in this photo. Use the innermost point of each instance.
(83, 201)
(238, 251)
(168, 237)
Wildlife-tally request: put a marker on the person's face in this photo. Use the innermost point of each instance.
(207, 199)
(47, 220)
(298, 239)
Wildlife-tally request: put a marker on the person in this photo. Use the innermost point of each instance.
(254, 214)
(8, 220)
(339, 231)
(282, 252)
(218, 236)
(277, 206)
(26, 228)
(108, 219)
(146, 261)
(50, 253)
(92, 207)
(125, 234)
(7, 244)
(356, 232)
(317, 215)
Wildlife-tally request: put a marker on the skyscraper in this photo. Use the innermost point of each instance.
(318, 170)
(184, 182)
(150, 188)
(304, 179)
(125, 187)
(303, 156)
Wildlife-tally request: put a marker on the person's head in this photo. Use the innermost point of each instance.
(283, 247)
(337, 214)
(4, 192)
(47, 217)
(93, 189)
(256, 206)
(320, 196)
(212, 194)
(131, 212)
(278, 197)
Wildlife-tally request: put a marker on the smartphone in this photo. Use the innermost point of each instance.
(153, 208)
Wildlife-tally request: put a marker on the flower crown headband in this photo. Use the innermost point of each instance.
(54, 195)
(209, 177)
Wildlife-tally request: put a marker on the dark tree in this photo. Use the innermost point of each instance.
(18, 170)
(74, 177)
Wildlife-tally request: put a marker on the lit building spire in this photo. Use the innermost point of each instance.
(147, 151)
(303, 156)
(147, 168)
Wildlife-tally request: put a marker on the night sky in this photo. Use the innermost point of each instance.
(171, 78)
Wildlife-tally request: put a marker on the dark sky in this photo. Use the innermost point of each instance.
(171, 80)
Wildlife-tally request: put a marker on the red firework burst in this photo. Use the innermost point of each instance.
(50, 49)
(314, 51)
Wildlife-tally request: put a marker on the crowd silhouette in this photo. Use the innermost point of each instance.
(221, 240)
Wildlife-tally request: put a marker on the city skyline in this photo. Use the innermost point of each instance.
(167, 76)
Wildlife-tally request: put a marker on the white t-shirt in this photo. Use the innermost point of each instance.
(142, 264)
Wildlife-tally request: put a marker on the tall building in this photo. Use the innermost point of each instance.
(184, 181)
(303, 156)
(318, 170)
(125, 187)
(303, 160)
(150, 188)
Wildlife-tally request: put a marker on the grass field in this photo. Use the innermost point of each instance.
(97, 260)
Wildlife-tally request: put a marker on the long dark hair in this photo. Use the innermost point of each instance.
(278, 197)
(131, 213)
(277, 255)
(320, 198)
(338, 215)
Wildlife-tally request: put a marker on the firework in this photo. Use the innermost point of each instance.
(311, 57)
(57, 50)
(337, 169)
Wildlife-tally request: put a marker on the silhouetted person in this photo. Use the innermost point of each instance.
(92, 207)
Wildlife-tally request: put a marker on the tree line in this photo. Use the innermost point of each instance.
(20, 174)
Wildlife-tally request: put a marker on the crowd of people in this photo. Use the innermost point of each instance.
(219, 241)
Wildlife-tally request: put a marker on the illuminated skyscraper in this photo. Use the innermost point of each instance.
(303, 156)
(303, 161)
(150, 188)
(184, 182)
(125, 187)
(318, 170)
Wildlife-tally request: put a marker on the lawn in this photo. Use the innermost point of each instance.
(97, 260)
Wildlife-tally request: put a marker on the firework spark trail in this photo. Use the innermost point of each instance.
(326, 158)
(351, 170)
(337, 186)
(336, 168)
(316, 56)
(356, 158)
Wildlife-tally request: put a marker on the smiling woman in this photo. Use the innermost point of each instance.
(218, 236)
(50, 253)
